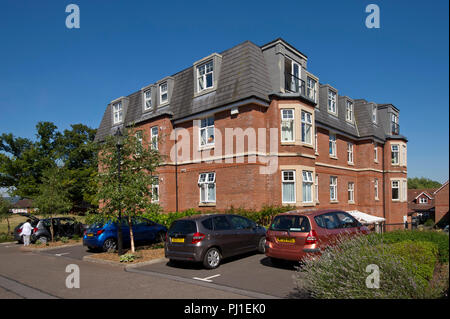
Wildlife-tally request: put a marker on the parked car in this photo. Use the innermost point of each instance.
(446, 229)
(212, 237)
(104, 236)
(62, 227)
(293, 234)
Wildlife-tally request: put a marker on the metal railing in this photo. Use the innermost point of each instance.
(395, 128)
(294, 84)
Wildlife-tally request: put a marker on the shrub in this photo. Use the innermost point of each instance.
(127, 258)
(438, 238)
(341, 271)
(64, 239)
(6, 238)
(76, 237)
(429, 222)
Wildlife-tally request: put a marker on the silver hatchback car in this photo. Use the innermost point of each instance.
(210, 238)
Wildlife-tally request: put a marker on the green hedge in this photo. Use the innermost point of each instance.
(342, 270)
(440, 239)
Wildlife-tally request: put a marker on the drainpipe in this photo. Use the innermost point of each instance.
(176, 171)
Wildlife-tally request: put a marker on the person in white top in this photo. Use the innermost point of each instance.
(26, 232)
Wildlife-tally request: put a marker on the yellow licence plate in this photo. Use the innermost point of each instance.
(286, 240)
(177, 240)
(90, 235)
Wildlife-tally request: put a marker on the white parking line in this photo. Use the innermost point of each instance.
(59, 255)
(207, 279)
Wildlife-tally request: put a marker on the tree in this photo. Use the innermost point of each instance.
(22, 161)
(5, 206)
(53, 195)
(421, 183)
(131, 191)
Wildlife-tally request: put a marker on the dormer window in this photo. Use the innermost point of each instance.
(311, 88)
(205, 73)
(395, 129)
(117, 112)
(148, 99)
(423, 200)
(163, 93)
(349, 112)
(293, 81)
(331, 101)
(374, 114)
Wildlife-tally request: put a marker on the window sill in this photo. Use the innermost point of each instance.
(351, 202)
(307, 145)
(288, 143)
(205, 91)
(206, 204)
(334, 202)
(206, 148)
(333, 157)
(163, 105)
(316, 153)
(351, 164)
(396, 200)
(308, 204)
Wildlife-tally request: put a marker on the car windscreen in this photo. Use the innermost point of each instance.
(183, 227)
(290, 223)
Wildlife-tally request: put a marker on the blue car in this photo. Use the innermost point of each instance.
(104, 236)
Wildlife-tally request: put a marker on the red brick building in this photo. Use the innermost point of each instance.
(441, 199)
(251, 126)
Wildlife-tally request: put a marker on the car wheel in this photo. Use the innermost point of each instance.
(262, 245)
(110, 245)
(42, 239)
(212, 258)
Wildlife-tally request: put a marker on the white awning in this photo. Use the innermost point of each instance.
(366, 219)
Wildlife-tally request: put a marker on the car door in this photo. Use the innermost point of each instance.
(349, 225)
(332, 227)
(245, 235)
(224, 235)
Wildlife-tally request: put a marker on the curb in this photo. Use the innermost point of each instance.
(8, 243)
(49, 248)
(145, 263)
(123, 265)
(102, 261)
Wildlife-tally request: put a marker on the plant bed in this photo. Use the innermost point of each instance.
(142, 254)
(55, 244)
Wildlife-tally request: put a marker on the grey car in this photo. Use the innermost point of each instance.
(210, 238)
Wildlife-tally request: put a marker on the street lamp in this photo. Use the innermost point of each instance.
(119, 226)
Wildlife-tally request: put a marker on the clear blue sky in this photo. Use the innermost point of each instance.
(51, 73)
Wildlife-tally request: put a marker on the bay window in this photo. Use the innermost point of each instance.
(307, 186)
(287, 125)
(306, 127)
(288, 186)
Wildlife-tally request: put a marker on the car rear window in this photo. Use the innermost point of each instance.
(290, 223)
(183, 227)
(207, 223)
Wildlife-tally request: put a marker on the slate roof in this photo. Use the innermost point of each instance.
(244, 74)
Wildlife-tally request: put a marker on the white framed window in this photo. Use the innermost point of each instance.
(350, 153)
(205, 76)
(316, 141)
(349, 111)
(307, 186)
(351, 192)
(331, 101)
(394, 154)
(139, 138)
(154, 137)
(148, 99)
(375, 152)
(403, 156)
(333, 188)
(374, 114)
(423, 200)
(155, 189)
(117, 112)
(311, 88)
(306, 127)
(288, 187)
(395, 187)
(332, 145)
(376, 188)
(316, 188)
(287, 125)
(163, 93)
(207, 184)
(207, 131)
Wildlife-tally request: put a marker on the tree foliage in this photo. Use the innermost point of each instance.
(23, 162)
(131, 192)
(5, 206)
(422, 182)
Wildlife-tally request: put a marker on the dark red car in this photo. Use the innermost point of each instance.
(294, 234)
